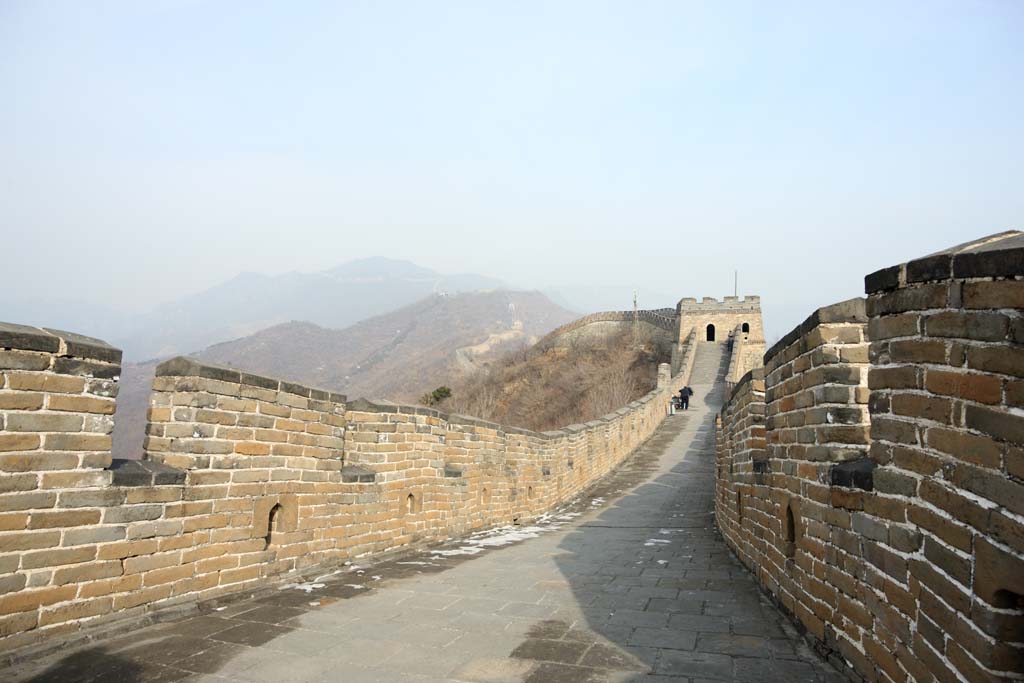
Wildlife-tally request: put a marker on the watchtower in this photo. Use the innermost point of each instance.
(715, 320)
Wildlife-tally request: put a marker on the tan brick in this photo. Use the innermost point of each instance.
(38, 461)
(1003, 359)
(77, 610)
(17, 521)
(196, 584)
(120, 584)
(137, 565)
(19, 442)
(999, 294)
(81, 404)
(158, 414)
(239, 575)
(78, 442)
(926, 407)
(26, 600)
(141, 597)
(87, 572)
(169, 575)
(75, 480)
(973, 387)
(18, 401)
(123, 549)
(63, 518)
(917, 351)
(252, 448)
(18, 623)
(55, 384)
(980, 450)
(28, 540)
(57, 557)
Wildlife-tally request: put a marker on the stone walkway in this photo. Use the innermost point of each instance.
(630, 584)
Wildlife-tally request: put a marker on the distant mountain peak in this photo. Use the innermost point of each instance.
(381, 268)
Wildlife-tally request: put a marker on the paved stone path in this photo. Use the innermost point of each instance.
(630, 584)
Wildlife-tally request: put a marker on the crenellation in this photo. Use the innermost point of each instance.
(888, 456)
(868, 471)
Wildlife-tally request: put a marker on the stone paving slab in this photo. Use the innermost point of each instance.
(639, 588)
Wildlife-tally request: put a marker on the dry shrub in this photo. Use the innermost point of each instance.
(554, 386)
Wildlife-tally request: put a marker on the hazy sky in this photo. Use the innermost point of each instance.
(152, 149)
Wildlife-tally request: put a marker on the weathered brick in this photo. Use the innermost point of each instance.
(26, 600)
(1000, 424)
(101, 498)
(19, 442)
(924, 407)
(998, 294)
(75, 611)
(101, 534)
(63, 519)
(968, 447)
(58, 556)
(970, 386)
(78, 442)
(24, 360)
(119, 584)
(998, 574)
(991, 485)
(53, 384)
(34, 461)
(895, 431)
(966, 325)
(918, 298)
(81, 404)
(1003, 359)
(21, 401)
(86, 572)
(29, 540)
(949, 561)
(917, 351)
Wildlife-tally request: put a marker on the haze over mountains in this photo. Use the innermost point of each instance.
(399, 355)
(249, 302)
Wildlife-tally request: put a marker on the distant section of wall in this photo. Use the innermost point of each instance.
(657, 327)
(245, 478)
(884, 511)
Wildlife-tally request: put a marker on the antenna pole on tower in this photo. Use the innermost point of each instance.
(636, 322)
(735, 282)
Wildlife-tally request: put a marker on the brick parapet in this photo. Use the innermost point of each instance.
(745, 355)
(246, 478)
(947, 393)
(893, 539)
(663, 318)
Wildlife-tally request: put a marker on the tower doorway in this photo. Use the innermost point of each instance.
(711, 333)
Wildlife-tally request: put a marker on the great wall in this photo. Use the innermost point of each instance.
(868, 473)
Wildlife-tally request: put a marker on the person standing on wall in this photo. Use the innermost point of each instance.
(684, 397)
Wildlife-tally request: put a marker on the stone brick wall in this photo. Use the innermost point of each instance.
(245, 479)
(746, 355)
(886, 515)
(657, 327)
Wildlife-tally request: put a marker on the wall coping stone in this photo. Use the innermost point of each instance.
(997, 255)
(756, 373)
(849, 311)
(184, 366)
(28, 338)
